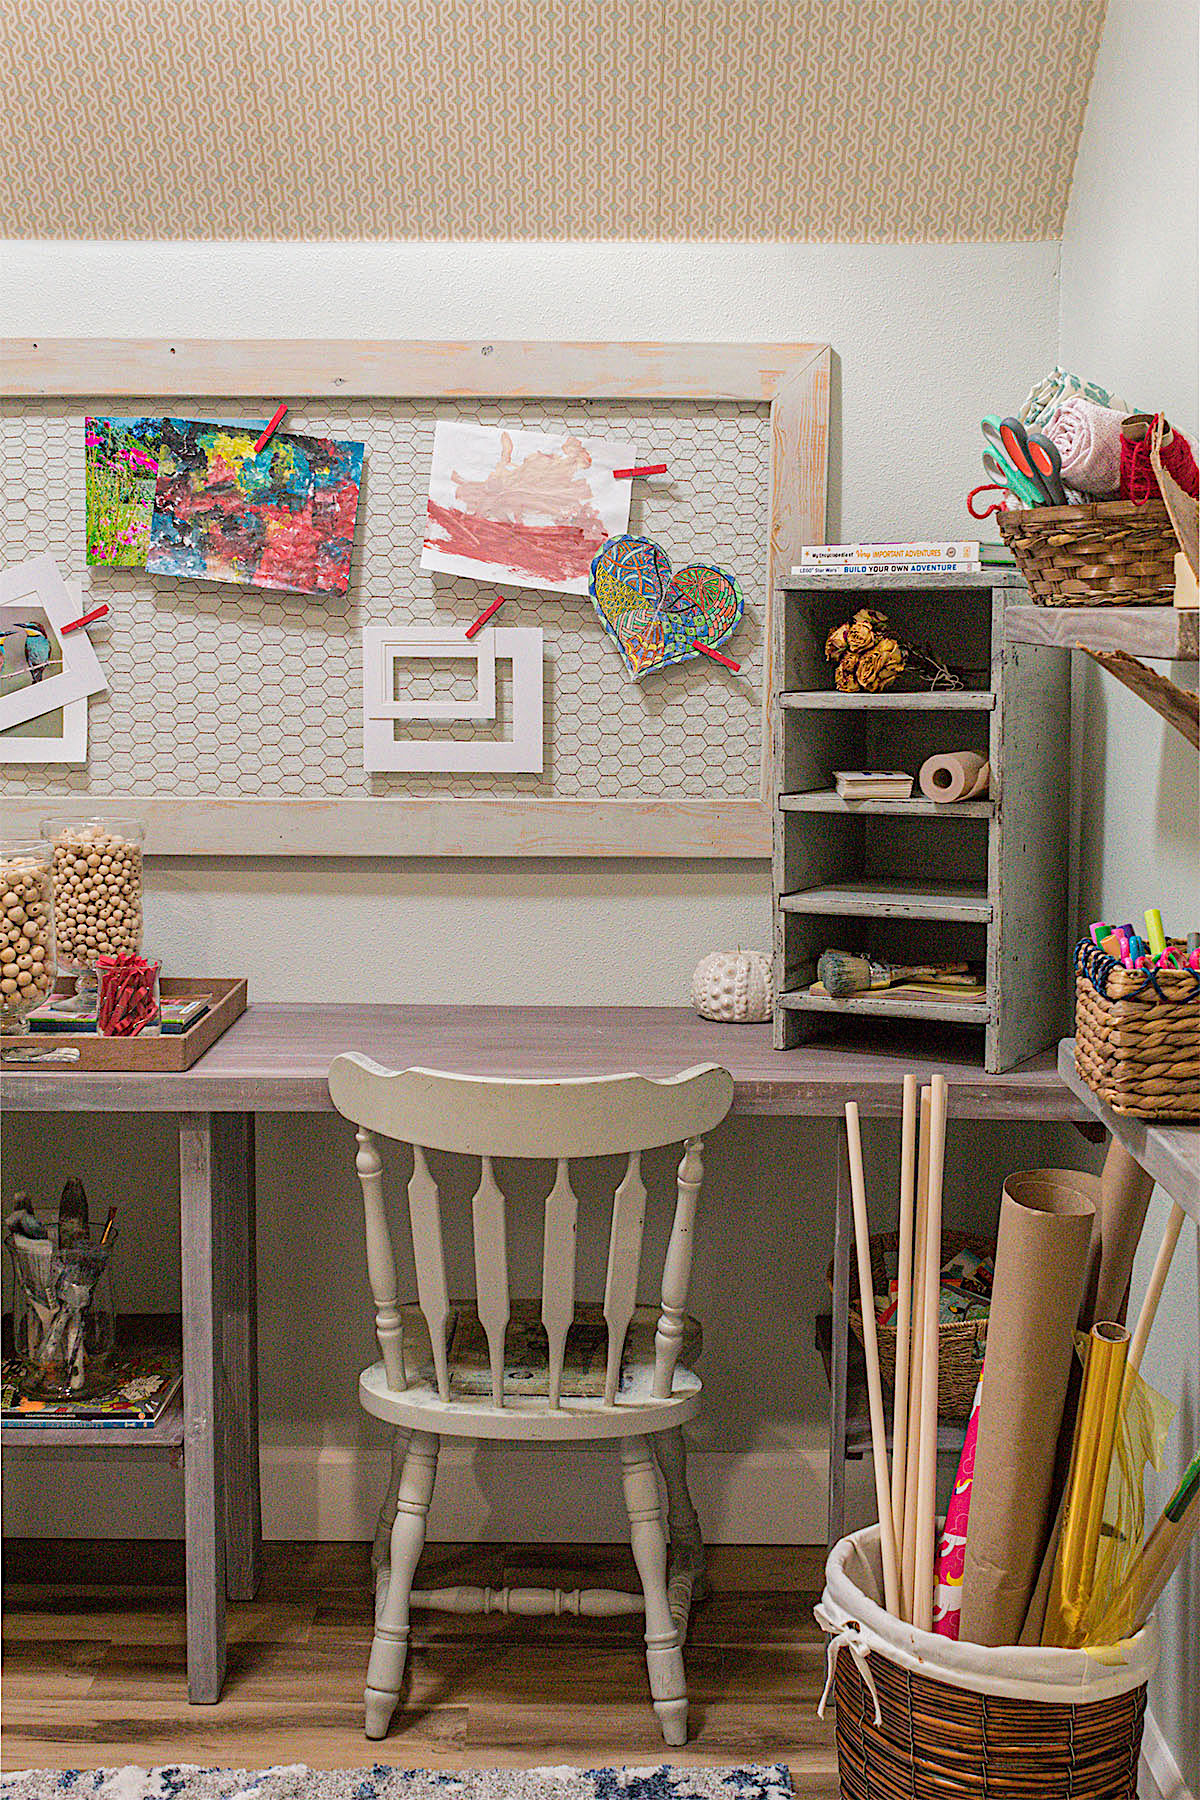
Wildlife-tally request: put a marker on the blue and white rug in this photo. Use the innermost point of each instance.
(293, 1781)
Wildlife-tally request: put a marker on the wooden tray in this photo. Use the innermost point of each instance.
(170, 1054)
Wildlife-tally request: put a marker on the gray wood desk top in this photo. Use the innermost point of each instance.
(275, 1058)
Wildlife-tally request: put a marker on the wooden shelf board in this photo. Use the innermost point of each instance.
(858, 1417)
(1171, 1153)
(1159, 632)
(960, 903)
(892, 1006)
(163, 1438)
(828, 800)
(944, 700)
(997, 575)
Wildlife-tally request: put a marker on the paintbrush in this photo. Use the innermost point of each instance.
(842, 974)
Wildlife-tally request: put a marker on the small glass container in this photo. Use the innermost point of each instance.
(97, 888)
(26, 930)
(64, 1321)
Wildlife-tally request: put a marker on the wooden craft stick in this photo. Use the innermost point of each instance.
(866, 1298)
(483, 618)
(930, 1321)
(912, 1459)
(716, 656)
(271, 427)
(1158, 1276)
(904, 1263)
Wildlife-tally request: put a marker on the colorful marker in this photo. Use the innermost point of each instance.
(1098, 932)
(1154, 925)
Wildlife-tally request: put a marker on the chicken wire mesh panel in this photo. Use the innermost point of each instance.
(240, 692)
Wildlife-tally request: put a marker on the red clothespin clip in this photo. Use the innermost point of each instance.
(649, 469)
(716, 656)
(275, 419)
(89, 618)
(483, 618)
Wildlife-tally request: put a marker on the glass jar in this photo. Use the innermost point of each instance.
(26, 930)
(64, 1322)
(97, 888)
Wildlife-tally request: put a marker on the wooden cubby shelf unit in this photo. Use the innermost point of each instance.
(915, 881)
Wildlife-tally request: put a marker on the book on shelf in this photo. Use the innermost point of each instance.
(873, 784)
(957, 566)
(916, 550)
(143, 1383)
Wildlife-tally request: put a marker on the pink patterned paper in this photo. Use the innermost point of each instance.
(952, 1545)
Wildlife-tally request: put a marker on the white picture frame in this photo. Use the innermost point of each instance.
(385, 753)
(385, 645)
(37, 585)
(70, 745)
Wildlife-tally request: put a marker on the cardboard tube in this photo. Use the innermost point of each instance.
(954, 775)
(908, 1563)
(904, 1266)
(1125, 1191)
(1087, 1485)
(866, 1299)
(1041, 1257)
(930, 1318)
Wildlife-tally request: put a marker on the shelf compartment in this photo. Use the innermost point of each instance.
(959, 903)
(943, 700)
(828, 800)
(886, 1005)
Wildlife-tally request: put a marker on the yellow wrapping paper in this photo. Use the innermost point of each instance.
(1087, 1485)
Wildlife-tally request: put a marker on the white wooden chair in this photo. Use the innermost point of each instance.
(644, 1398)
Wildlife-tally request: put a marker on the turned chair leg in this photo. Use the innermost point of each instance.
(381, 1551)
(664, 1658)
(389, 1648)
(687, 1583)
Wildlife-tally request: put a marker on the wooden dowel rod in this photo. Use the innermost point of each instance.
(904, 1261)
(866, 1296)
(908, 1558)
(1158, 1277)
(930, 1318)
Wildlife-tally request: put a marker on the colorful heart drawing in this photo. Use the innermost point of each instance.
(656, 619)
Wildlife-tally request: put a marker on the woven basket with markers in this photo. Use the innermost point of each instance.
(1137, 1035)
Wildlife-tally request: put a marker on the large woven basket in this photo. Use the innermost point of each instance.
(1137, 1035)
(960, 1344)
(938, 1742)
(1111, 553)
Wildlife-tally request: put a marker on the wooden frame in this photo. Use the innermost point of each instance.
(792, 379)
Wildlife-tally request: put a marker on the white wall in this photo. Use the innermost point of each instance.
(927, 338)
(1128, 313)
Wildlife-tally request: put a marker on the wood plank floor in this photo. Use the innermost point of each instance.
(94, 1676)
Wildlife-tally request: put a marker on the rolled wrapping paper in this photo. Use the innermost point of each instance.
(952, 1545)
(1041, 1260)
(955, 775)
(1087, 1485)
(1088, 439)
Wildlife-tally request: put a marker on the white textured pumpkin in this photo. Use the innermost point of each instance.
(734, 986)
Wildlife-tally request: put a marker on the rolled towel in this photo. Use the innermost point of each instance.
(1088, 439)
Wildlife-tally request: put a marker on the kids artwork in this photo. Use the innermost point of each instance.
(181, 497)
(528, 508)
(656, 618)
(120, 469)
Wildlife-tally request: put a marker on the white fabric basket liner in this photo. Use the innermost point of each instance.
(850, 1611)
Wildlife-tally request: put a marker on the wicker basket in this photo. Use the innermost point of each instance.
(939, 1742)
(960, 1344)
(1137, 1035)
(1112, 553)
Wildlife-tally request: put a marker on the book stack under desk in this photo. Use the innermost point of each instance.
(916, 881)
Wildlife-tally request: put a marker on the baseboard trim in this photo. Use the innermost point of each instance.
(332, 1490)
(1160, 1762)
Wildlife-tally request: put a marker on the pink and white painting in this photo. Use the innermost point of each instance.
(526, 508)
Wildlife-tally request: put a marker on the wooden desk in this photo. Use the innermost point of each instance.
(275, 1060)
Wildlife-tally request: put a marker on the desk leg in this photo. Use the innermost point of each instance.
(233, 1192)
(200, 1221)
(840, 1346)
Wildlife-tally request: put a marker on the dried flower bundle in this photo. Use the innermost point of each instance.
(869, 658)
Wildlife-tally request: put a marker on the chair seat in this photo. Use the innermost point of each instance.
(583, 1413)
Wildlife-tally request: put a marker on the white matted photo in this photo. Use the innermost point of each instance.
(42, 670)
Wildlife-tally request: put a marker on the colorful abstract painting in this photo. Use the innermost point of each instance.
(656, 618)
(120, 459)
(281, 518)
(527, 508)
